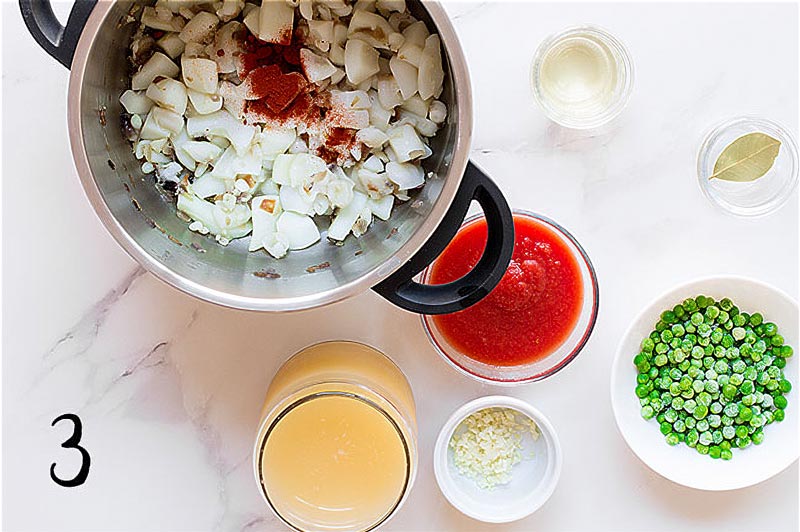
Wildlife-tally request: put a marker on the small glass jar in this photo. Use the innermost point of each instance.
(582, 77)
(756, 198)
(337, 444)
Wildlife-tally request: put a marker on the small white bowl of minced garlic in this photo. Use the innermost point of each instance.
(497, 459)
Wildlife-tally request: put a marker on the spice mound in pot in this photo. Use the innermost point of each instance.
(264, 119)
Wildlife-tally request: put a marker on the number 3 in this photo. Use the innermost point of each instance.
(72, 443)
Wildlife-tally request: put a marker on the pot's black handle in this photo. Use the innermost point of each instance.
(57, 40)
(401, 290)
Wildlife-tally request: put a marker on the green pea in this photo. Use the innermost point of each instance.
(780, 362)
(750, 338)
(747, 387)
(779, 414)
(777, 340)
(670, 415)
(726, 454)
(665, 428)
(684, 365)
(741, 443)
(723, 380)
(749, 400)
(690, 405)
(720, 366)
(704, 398)
(785, 386)
(786, 351)
(678, 330)
(642, 391)
(648, 412)
(739, 320)
(692, 438)
(679, 425)
(781, 402)
(714, 420)
(660, 360)
(727, 340)
(700, 411)
(758, 437)
(714, 452)
(728, 432)
(772, 385)
(697, 352)
(756, 319)
(716, 407)
(736, 379)
(689, 305)
(677, 403)
(716, 336)
(661, 348)
(723, 317)
(729, 391)
(702, 449)
(725, 304)
(770, 329)
(738, 333)
(745, 413)
(672, 438)
(712, 387)
(666, 335)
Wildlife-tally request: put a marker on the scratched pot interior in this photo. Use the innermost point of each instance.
(148, 216)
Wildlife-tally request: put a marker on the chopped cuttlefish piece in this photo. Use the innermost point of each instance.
(370, 28)
(276, 140)
(179, 143)
(135, 102)
(171, 44)
(299, 230)
(226, 47)
(437, 112)
(406, 143)
(200, 74)
(223, 124)
(306, 169)
(281, 168)
(169, 94)
(200, 28)
(161, 18)
(347, 216)
(360, 61)
(161, 123)
(339, 191)
(316, 67)
(204, 212)
(431, 73)
(295, 200)
(406, 75)
(266, 210)
(406, 176)
(159, 65)
(382, 208)
(232, 163)
(207, 186)
(276, 22)
(321, 33)
(204, 103)
(201, 151)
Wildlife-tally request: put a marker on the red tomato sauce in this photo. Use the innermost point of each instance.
(533, 309)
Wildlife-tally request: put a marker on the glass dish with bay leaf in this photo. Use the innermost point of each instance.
(748, 166)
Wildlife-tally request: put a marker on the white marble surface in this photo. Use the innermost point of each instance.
(169, 388)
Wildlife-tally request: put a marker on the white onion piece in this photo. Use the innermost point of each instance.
(199, 28)
(169, 94)
(222, 123)
(343, 221)
(405, 176)
(382, 208)
(406, 76)
(276, 22)
(135, 102)
(199, 74)
(360, 61)
(406, 143)
(159, 65)
(299, 230)
(204, 103)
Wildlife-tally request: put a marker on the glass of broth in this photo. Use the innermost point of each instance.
(336, 447)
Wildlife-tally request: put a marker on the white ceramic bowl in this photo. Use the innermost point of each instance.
(533, 481)
(680, 463)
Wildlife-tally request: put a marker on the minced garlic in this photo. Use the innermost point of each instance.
(488, 444)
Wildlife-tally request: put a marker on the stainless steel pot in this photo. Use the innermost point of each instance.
(93, 45)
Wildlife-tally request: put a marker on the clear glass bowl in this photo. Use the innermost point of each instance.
(591, 116)
(555, 361)
(756, 198)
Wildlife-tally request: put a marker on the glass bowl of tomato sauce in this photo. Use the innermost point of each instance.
(537, 319)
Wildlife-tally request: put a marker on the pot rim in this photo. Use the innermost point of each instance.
(452, 181)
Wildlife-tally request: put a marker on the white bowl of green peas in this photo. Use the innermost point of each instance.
(705, 385)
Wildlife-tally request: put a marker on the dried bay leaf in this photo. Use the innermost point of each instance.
(747, 158)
